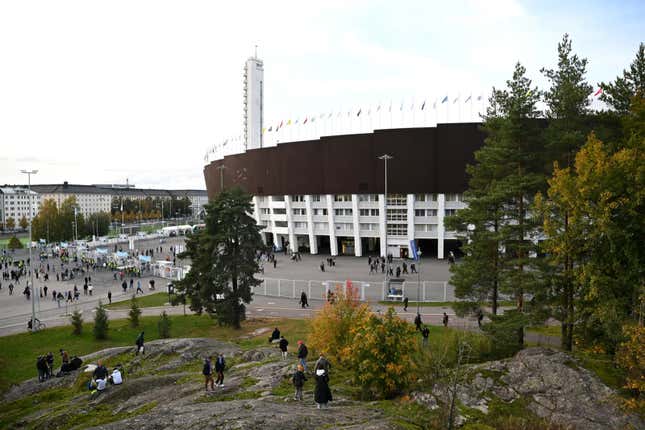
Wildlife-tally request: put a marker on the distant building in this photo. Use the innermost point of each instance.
(91, 199)
(253, 103)
(14, 203)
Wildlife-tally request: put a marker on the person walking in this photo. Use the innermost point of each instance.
(417, 321)
(207, 371)
(283, 347)
(445, 319)
(302, 354)
(405, 304)
(322, 393)
(220, 365)
(110, 297)
(138, 287)
(139, 344)
(299, 379)
(303, 300)
(425, 333)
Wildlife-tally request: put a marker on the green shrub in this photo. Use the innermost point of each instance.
(135, 313)
(77, 322)
(381, 354)
(101, 323)
(164, 326)
(14, 243)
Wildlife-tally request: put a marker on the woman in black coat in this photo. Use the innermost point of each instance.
(322, 393)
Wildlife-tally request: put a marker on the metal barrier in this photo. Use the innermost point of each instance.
(426, 291)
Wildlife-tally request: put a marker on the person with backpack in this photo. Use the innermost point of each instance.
(322, 363)
(283, 347)
(322, 393)
(302, 354)
(220, 365)
(50, 364)
(207, 371)
(417, 321)
(298, 380)
(139, 343)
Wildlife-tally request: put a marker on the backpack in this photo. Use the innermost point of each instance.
(305, 351)
(207, 369)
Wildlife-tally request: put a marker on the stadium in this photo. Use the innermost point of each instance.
(328, 195)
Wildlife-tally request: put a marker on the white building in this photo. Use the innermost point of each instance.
(253, 103)
(15, 203)
(89, 198)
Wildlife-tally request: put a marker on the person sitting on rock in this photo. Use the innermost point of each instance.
(116, 378)
(100, 376)
(275, 335)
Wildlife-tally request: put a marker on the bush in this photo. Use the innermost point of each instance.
(77, 322)
(381, 355)
(503, 330)
(101, 323)
(331, 328)
(14, 243)
(631, 358)
(135, 313)
(164, 326)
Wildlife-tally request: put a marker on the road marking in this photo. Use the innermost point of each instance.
(259, 310)
(271, 303)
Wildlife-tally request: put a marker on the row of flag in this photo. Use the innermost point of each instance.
(422, 106)
(360, 112)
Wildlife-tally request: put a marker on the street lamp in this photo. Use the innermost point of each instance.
(386, 157)
(34, 326)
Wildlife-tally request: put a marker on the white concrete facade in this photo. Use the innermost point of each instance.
(253, 103)
(350, 224)
(15, 204)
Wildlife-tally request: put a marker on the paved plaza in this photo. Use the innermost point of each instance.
(15, 310)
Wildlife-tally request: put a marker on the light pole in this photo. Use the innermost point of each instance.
(34, 326)
(386, 157)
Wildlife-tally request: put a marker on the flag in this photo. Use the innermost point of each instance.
(329, 115)
(378, 108)
(281, 123)
(359, 112)
(423, 105)
(456, 100)
(313, 118)
(434, 105)
(413, 248)
(599, 92)
(479, 97)
(469, 97)
(529, 92)
(264, 130)
(305, 121)
(297, 121)
(270, 128)
(289, 122)
(445, 99)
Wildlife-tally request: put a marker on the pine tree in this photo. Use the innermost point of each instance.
(619, 94)
(77, 322)
(164, 325)
(223, 259)
(101, 323)
(135, 312)
(567, 109)
(514, 157)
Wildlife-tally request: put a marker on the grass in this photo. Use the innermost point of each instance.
(551, 330)
(5, 242)
(149, 301)
(18, 353)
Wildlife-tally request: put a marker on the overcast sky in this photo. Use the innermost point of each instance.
(97, 92)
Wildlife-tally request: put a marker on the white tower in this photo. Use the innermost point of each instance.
(253, 102)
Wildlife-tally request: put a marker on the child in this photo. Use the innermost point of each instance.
(299, 379)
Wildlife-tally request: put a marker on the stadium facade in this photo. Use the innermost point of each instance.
(327, 195)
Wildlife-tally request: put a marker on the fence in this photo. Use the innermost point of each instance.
(426, 291)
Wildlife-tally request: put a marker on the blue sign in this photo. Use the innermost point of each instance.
(415, 253)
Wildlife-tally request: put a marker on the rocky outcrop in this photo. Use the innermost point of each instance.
(552, 384)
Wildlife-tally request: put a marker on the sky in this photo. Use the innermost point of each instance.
(97, 92)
